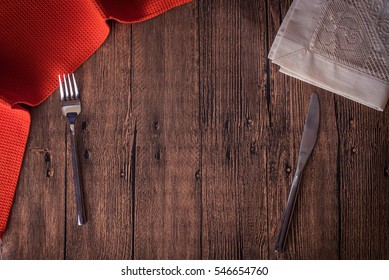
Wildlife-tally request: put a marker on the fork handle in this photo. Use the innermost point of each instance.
(81, 217)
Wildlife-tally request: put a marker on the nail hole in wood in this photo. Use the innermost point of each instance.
(158, 155)
(228, 153)
(253, 148)
(49, 170)
(83, 125)
(198, 175)
(250, 122)
(156, 125)
(47, 157)
(86, 154)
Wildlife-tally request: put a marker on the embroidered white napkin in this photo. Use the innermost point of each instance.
(339, 45)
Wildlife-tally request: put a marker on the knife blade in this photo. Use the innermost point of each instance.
(308, 141)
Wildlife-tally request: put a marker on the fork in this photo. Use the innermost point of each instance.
(71, 108)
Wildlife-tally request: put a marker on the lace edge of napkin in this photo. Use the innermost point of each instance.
(344, 81)
(355, 34)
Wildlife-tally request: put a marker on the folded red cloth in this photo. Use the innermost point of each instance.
(39, 40)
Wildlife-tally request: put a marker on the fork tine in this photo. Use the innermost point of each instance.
(61, 88)
(66, 88)
(70, 87)
(77, 94)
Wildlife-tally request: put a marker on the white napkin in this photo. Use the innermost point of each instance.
(339, 45)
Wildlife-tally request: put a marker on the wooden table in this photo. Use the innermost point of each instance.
(188, 141)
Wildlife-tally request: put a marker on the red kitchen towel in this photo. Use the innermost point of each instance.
(39, 40)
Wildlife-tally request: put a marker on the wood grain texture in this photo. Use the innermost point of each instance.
(233, 116)
(363, 181)
(188, 144)
(165, 82)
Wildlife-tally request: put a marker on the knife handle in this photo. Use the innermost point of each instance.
(288, 214)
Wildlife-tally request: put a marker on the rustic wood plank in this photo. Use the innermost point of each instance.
(364, 182)
(233, 118)
(106, 135)
(189, 140)
(314, 233)
(167, 190)
(36, 226)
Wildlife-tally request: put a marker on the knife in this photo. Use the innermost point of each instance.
(308, 141)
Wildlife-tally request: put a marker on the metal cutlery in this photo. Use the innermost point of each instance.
(308, 141)
(71, 108)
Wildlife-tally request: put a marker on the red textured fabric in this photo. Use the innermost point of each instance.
(38, 41)
(14, 124)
